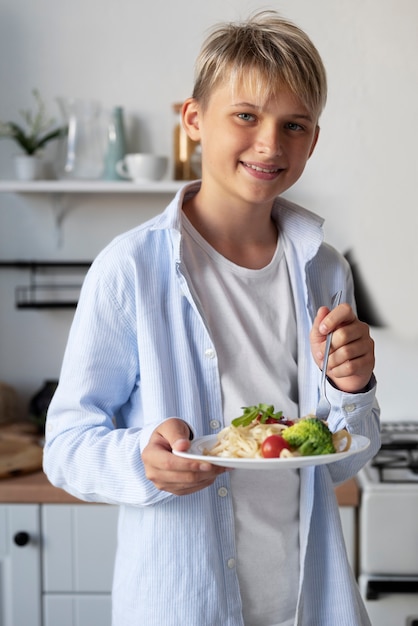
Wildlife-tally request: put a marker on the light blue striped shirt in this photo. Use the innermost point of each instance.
(138, 353)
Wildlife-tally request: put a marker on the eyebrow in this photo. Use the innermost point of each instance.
(250, 105)
(300, 116)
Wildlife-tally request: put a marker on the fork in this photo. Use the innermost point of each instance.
(324, 405)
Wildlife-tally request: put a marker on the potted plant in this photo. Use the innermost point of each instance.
(37, 130)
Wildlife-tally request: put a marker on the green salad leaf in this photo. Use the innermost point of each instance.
(262, 412)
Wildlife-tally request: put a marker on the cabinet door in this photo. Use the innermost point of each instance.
(20, 565)
(73, 610)
(79, 547)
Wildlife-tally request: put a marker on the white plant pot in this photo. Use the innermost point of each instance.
(28, 167)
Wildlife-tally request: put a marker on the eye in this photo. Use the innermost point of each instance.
(294, 126)
(246, 117)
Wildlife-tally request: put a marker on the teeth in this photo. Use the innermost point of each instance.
(261, 169)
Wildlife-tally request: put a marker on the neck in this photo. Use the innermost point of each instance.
(246, 236)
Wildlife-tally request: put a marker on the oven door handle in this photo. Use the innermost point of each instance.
(376, 588)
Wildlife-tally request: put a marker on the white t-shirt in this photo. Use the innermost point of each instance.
(250, 315)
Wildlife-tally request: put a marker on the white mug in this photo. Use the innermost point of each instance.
(142, 167)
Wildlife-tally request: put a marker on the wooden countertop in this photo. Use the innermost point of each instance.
(35, 488)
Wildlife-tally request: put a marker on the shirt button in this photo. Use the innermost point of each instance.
(210, 353)
(50, 428)
(214, 424)
(231, 563)
(222, 492)
(349, 408)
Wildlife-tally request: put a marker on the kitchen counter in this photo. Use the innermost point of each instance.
(35, 488)
(27, 484)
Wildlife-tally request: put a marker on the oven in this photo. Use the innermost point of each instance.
(388, 528)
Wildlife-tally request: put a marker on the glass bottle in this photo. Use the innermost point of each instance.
(186, 152)
(116, 144)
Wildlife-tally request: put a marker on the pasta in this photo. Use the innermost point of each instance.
(338, 439)
(246, 441)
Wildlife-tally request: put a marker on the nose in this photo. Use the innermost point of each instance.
(268, 141)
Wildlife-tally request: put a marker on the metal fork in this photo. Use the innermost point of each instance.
(324, 405)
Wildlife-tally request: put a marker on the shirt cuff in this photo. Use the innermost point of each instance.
(351, 407)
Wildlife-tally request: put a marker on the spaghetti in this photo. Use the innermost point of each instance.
(246, 441)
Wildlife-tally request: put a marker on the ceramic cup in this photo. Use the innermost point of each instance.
(142, 167)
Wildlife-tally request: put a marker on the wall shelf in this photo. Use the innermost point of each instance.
(89, 186)
(60, 192)
(62, 294)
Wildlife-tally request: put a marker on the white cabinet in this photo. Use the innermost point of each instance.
(20, 565)
(79, 544)
(56, 564)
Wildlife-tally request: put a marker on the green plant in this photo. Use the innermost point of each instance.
(38, 128)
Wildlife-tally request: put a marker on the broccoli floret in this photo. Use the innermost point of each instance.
(309, 436)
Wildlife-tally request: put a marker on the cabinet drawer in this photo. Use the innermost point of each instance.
(70, 610)
(79, 545)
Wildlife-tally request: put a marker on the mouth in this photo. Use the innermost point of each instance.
(262, 169)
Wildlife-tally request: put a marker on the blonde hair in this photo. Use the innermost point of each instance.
(269, 52)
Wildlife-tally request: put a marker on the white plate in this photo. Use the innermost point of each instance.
(196, 452)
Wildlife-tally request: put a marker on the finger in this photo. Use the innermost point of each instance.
(316, 334)
(352, 376)
(158, 456)
(351, 365)
(183, 480)
(352, 340)
(342, 315)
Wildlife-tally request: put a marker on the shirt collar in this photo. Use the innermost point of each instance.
(302, 227)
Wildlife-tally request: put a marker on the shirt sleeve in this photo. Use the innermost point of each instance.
(86, 453)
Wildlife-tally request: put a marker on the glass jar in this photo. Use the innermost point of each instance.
(82, 149)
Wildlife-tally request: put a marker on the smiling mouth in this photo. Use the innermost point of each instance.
(264, 170)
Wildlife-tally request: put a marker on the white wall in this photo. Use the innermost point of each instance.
(362, 177)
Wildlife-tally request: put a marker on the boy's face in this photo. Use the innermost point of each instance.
(252, 151)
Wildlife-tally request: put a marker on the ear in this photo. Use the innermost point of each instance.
(190, 115)
(314, 141)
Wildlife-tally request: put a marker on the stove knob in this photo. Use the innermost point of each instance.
(21, 538)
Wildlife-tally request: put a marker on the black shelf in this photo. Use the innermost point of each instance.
(41, 294)
(35, 264)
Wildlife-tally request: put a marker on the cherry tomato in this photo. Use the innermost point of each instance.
(272, 446)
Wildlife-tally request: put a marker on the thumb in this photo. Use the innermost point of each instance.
(176, 432)
(317, 336)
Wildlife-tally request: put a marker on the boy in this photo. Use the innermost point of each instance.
(214, 305)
